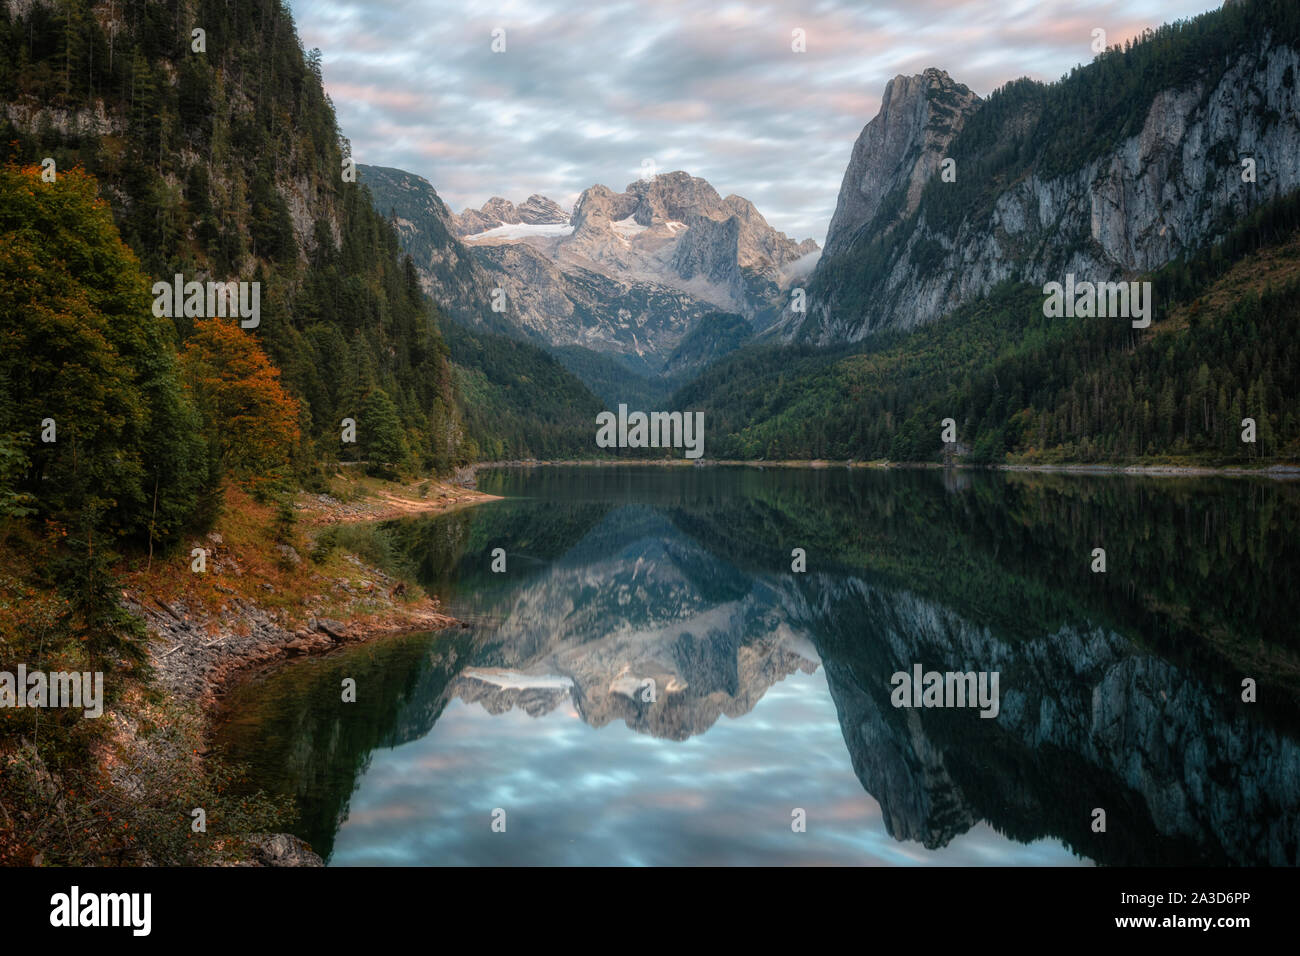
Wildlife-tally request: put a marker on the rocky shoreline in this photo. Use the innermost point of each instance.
(201, 648)
(190, 663)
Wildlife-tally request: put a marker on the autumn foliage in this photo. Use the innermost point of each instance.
(252, 421)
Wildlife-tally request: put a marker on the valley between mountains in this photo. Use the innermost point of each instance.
(1172, 161)
(183, 498)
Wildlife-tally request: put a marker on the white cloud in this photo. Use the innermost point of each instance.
(582, 95)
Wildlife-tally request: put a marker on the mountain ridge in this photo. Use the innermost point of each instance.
(626, 274)
(1117, 169)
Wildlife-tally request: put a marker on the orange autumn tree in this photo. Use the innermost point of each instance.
(251, 421)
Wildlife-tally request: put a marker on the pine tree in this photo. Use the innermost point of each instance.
(88, 364)
(380, 436)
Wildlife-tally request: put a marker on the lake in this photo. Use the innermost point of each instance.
(658, 676)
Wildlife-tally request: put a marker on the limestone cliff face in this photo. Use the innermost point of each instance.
(1171, 185)
(899, 150)
(675, 230)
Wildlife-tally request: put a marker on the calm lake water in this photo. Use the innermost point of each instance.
(649, 682)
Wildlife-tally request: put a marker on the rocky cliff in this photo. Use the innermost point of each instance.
(1145, 154)
(898, 152)
(674, 229)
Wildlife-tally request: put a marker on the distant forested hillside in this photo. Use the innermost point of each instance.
(613, 379)
(1023, 387)
(517, 401)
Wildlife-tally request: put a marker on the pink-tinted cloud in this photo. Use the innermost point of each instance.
(583, 93)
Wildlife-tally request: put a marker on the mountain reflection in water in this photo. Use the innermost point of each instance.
(649, 683)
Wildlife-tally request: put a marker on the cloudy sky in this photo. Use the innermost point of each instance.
(585, 92)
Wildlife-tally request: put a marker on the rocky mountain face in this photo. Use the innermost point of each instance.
(640, 322)
(898, 152)
(426, 229)
(676, 230)
(535, 211)
(628, 274)
(1044, 187)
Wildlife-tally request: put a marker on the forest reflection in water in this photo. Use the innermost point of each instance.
(649, 682)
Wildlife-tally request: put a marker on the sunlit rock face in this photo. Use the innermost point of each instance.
(899, 150)
(628, 273)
